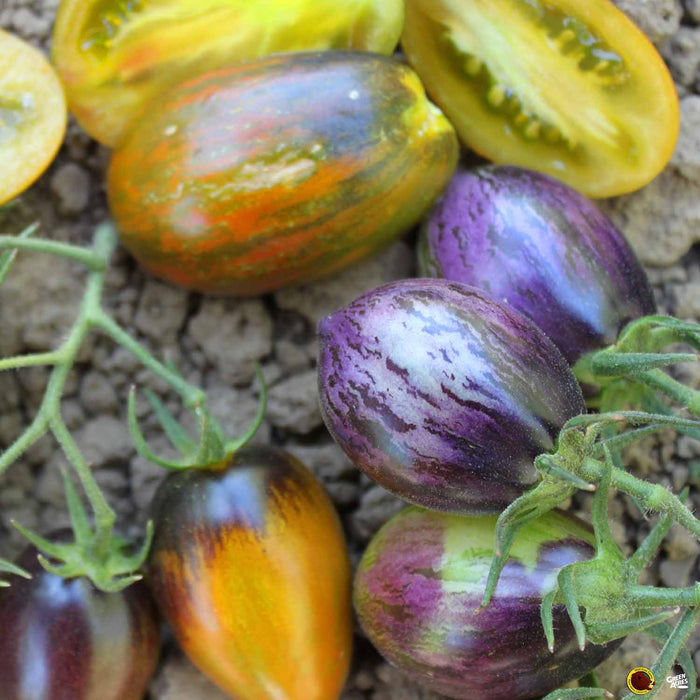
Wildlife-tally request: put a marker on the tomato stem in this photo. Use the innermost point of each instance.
(687, 397)
(646, 551)
(577, 693)
(91, 259)
(653, 597)
(96, 554)
(672, 648)
(191, 396)
(7, 257)
(652, 496)
(637, 357)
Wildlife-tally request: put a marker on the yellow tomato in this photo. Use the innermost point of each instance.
(32, 115)
(116, 55)
(249, 568)
(571, 88)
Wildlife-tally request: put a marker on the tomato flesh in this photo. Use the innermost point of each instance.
(32, 115)
(574, 90)
(116, 55)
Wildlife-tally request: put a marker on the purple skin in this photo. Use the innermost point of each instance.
(541, 247)
(441, 395)
(419, 585)
(62, 639)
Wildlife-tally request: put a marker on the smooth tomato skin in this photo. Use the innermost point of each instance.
(541, 247)
(250, 569)
(442, 395)
(419, 586)
(572, 89)
(33, 115)
(65, 640)
(279, 171)
(115, 58)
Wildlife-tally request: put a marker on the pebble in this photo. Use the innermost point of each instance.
(317, 300)
(676, 574)
(683, 55)
(376, 507)
(30, 25)
(97, 393)
(658, 19)
(234, 334)
(70, 185)
(293, 404)
(178, 679)
(161, 311)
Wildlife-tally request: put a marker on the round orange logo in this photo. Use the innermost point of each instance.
(640, 680)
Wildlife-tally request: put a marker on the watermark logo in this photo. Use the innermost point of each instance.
(679, 681)
(640, 680)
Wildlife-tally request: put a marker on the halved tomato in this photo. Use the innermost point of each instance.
(32, 115)
(115, 55)
(570, 88)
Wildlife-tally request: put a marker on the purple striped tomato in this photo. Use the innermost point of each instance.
(539, 246)
(442, 395)
(62, 639)
(417, 594)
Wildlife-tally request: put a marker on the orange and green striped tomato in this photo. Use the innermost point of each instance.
(279, 171)
(250, 569)
(116, 56)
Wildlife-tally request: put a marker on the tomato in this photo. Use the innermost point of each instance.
(115, 56)
(32, 115)
(65, 640)
(418, 590)
(249, 567)
(572, 89)
(442, 395)
(279, 171)
(541, 247)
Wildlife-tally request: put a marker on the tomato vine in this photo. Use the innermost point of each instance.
(96, 551)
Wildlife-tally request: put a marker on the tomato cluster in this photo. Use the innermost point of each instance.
(237, 173)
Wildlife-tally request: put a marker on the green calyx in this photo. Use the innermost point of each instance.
(602, 596)
(629, 373)
(7, 567)
(110, 567)
(211, 450)
(606, 587)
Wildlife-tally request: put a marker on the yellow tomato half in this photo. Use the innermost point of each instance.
(571, 88)
(32, 115)
(114, 56)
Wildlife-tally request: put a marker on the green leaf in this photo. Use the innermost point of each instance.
(609, 363)
(7, 567)
(7, 257)
(235, 444)
(531, 505)
(175, 432)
